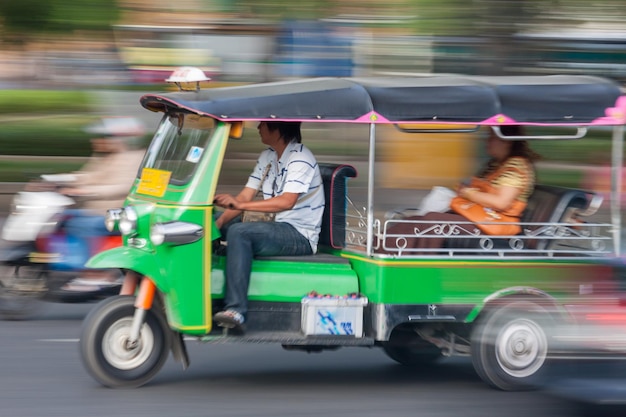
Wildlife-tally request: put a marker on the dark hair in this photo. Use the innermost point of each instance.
(512, 130)
(519, 147)
(289, 131)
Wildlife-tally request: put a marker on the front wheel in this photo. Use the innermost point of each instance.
(510, 346)
(104, 347)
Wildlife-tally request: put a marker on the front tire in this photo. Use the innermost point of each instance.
(105, 353)
(510, 346)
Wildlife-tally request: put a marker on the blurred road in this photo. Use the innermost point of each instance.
(42, 376)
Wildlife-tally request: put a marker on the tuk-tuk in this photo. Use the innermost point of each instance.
(497, 299)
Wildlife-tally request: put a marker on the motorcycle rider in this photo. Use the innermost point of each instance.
(102, 183)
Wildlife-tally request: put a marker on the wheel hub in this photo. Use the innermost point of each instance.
(521, 348)
(118, 349)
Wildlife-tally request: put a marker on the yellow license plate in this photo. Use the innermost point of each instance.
(153, 182)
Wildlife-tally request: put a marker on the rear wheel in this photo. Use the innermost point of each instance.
(105, 349)
(510, 346)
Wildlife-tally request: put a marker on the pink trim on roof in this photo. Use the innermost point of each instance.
(614, 115)
(499, 119)
(372, 117)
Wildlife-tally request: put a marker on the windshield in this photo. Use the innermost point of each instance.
(178, 145)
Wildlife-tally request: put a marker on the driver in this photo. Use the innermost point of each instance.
(292, 188)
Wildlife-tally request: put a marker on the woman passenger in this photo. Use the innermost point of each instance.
(510, 174)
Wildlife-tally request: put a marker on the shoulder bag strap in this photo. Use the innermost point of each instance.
(265, 172)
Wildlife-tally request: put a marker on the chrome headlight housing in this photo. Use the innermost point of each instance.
(128, 221)
(112, 218)
(175, 233)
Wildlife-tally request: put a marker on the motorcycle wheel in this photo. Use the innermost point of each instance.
(21, 289)
(103, 344)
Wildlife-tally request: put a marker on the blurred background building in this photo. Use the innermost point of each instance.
(139, 41)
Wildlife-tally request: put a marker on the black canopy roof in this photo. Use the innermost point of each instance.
(559, 99)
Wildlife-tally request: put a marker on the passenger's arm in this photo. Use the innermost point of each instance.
(501, 198)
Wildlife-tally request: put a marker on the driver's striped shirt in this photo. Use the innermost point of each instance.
(296, 172)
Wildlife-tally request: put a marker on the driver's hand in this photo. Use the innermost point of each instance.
(226, 201)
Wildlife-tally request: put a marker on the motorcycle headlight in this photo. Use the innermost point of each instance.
(112, 218)
(175, 233)
(128, 221)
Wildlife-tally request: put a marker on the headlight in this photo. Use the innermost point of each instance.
(157, 234)
(128, 221)
(176, 233)
(112, 218)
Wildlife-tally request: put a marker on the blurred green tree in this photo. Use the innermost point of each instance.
(23, 19)
(72, 15)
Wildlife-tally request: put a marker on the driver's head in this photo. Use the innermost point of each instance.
(289, 131)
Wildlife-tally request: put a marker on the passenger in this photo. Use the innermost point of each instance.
(292, 188)
(102, 183)
(510, 176)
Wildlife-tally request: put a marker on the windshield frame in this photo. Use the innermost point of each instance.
(185, 144)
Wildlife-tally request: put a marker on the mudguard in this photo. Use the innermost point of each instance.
(145, 263)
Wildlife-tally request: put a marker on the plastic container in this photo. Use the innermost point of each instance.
(333, 316)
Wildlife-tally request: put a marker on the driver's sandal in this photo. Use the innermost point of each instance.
(230, 319)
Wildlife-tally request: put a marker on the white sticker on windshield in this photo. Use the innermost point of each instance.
(194, 154)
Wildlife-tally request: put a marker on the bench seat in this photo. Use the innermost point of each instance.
(289, 278)
(547, 205)
(552, 225)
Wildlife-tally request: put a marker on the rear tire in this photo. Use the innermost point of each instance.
(103, 347)
(510, 346)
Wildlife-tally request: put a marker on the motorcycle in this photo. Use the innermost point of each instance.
(38, 257)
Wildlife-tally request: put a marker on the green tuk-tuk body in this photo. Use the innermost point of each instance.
(494, 298)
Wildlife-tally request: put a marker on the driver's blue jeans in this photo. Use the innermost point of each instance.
(247, 240)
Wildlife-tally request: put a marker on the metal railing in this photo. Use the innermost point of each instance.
(573, 239)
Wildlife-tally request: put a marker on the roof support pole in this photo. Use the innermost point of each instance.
(370, 190)
(616, 185)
